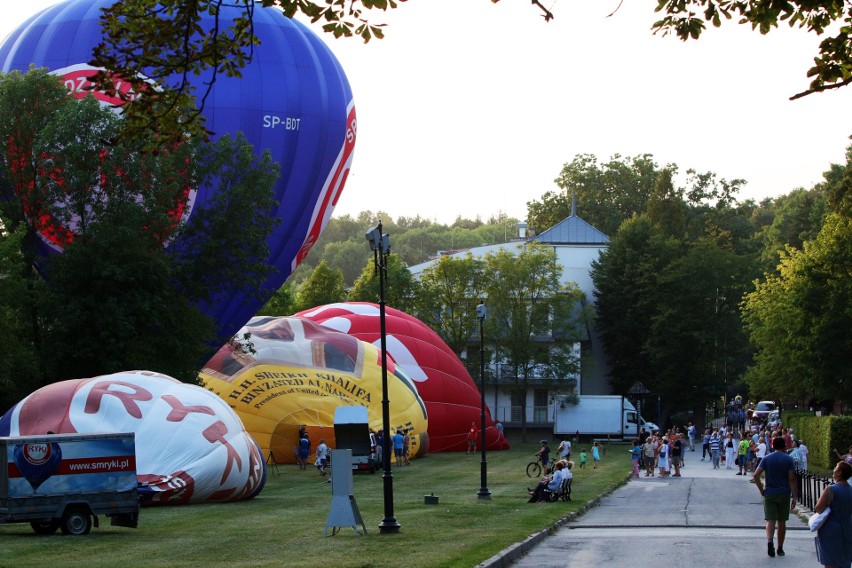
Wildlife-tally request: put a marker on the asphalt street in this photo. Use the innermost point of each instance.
(706, 518)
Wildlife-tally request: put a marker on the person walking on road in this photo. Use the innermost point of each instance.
(663, 457)
(705, 446)
(730, 451)
(803, 454)
(677, 453)
(715, 449)
(742, 455)
(834, 538)
(650, 449)
(779, 494)
(635, 455)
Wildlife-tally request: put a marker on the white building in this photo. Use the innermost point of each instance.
(577, 244)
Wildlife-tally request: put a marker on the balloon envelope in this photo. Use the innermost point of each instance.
(190, 446)
(292, 99)
(452, 398)
(297, 373)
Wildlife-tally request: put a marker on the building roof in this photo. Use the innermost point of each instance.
(572, 231)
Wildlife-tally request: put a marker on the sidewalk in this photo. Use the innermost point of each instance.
(706, 517)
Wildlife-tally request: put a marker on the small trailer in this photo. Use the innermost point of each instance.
(65, 481)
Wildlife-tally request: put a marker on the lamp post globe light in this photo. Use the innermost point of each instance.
(483, 492)
(380, 245)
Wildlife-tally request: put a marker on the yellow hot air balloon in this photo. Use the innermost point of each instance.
(292, 374)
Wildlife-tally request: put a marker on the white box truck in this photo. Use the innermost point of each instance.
(64, 481)
(600, 417)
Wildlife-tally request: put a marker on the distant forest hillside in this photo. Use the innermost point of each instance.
(343, 246)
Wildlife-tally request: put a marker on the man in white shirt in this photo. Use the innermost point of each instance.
(760, 453)
(565, 450)
(322, 456)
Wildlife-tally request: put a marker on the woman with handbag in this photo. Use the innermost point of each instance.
(834, 538)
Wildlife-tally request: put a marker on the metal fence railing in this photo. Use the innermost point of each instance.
(810, 487)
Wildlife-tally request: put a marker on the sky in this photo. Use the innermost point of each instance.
(469, 108)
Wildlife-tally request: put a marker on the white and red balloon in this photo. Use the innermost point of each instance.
(190, 446)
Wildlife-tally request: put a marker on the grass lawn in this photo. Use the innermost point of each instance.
(284, 525)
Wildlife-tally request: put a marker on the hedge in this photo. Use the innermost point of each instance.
(822, 435)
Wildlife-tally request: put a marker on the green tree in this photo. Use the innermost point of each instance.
(667, 308)
(532, 316)
(323, 286)
(666, 207)
(27, 103)
(20, 372)
(111, 306)
(447, 297)
(832, 66)
(553, 207)
(627, 298)
(118, 299)
(797, 318)
(347, 257)
(282, 303)
(607, 193)
(798, 217)
(697, 297)
(400, 290)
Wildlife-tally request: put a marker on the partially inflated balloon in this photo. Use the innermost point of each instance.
(297, 373)
(292, 99)
(190, 446)
(451, 397)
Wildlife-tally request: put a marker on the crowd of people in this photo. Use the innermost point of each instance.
(768, 455)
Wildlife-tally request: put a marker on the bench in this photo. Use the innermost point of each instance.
(563, 493)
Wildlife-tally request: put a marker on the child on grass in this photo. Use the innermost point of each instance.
(582, 458)
(596, 454)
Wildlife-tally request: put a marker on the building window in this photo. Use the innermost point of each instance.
(517, 404)
(540, 405)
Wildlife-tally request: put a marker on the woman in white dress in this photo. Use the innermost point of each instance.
(730, 451)
(663, 457)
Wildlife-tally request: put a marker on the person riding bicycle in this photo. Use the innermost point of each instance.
(544, 454)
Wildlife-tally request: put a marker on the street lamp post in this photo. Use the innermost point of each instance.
(483, 492)
(380, 245)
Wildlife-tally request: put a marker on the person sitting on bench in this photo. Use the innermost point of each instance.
(551, 483)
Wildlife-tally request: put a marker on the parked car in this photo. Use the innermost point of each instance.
(762, 410)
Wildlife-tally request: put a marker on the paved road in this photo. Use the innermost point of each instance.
(706, 518)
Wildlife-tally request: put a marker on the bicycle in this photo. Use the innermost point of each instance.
(534, 468)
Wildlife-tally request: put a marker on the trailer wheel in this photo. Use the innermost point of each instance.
(76, 522)
(45, 527)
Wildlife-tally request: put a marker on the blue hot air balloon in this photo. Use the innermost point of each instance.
(292, 99)
(37, 462)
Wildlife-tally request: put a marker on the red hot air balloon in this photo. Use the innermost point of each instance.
(292, 99)
(451, 397)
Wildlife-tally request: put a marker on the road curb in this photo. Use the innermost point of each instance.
(506, 557)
